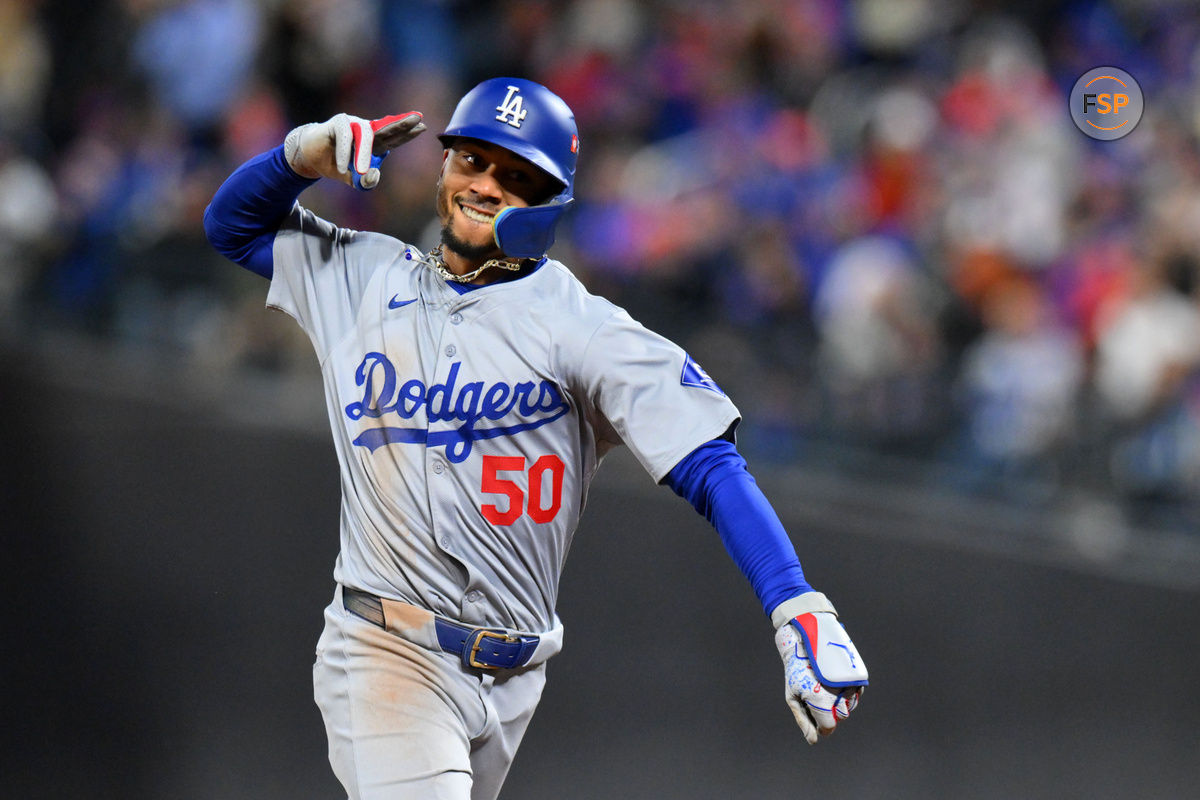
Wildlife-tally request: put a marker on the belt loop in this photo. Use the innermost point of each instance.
(363, 605)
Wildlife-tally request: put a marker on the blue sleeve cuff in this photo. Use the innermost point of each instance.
(715, 480)
(245, 213)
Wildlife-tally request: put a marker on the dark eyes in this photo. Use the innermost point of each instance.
(517, 176)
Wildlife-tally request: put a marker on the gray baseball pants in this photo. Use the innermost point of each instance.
(407, 721)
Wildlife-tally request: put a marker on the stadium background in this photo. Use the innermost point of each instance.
(965, 339)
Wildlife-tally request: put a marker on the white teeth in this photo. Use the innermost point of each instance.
(477, 216)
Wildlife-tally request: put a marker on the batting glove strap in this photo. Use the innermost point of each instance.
(834, 658)
(807, 603)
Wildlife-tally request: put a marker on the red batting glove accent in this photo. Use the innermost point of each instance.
(383, 122)
(355, 155)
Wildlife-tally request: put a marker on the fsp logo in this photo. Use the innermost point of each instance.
(512, 110)
(1106, 103)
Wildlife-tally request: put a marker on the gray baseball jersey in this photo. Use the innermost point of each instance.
(469, 426)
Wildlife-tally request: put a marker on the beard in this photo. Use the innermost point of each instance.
(452, 241)
(472, 252)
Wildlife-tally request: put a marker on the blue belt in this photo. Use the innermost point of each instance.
(480, 648)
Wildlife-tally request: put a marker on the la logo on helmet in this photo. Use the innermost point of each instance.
(512, 110)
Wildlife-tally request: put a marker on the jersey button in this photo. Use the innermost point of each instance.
(451, 350)
(444, 542)
(455, 318)
(474, 596)
(438, 467)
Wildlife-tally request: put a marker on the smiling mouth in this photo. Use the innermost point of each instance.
(475, 215)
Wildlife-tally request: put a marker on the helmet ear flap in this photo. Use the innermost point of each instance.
(528, 232)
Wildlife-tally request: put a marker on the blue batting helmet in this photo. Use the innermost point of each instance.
(528, 119)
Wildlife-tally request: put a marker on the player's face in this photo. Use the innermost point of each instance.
(478, 180)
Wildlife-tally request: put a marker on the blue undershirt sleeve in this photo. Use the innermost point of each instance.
(715, 480)
(245, 213)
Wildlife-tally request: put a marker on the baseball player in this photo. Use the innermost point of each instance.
(472, 392)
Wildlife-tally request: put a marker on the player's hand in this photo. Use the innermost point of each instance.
(348, 149)
(824, 674)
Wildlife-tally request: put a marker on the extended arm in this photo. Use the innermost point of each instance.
(824, 674)
(715, 480)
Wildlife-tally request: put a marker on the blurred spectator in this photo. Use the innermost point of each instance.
(92, 179)
(878, 347)
(197, 55)
(255, 121)
(1146, 364)
(24, 67)
(419, 36)
(1010, 174)
(28, 213)
(1018, 387)
(1149, 340)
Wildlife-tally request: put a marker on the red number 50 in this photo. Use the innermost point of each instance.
(540, 509)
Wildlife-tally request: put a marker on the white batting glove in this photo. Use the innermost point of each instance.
(824, 674)
(348, 149)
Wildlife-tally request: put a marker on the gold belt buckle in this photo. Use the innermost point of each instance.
(486, 634)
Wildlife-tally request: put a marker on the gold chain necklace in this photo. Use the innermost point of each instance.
(437, 263)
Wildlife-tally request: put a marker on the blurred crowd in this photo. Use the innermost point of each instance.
(872, 221)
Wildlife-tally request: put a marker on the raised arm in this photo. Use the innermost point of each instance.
(245, 213)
